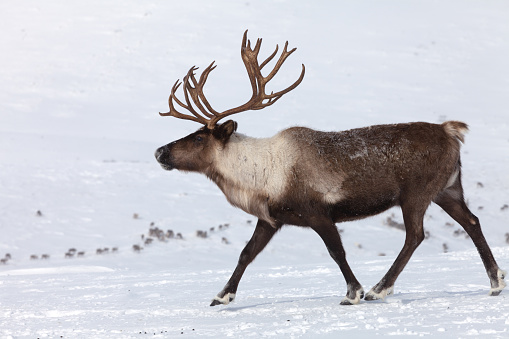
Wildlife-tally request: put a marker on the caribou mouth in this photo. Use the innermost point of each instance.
(166, 167)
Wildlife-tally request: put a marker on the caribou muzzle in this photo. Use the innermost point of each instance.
(164, 158)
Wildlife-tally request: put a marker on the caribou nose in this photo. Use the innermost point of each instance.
(163, 157)
(158, 153)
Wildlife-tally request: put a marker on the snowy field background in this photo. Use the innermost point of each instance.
(81, 84)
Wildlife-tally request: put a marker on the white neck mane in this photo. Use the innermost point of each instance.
(255, 171)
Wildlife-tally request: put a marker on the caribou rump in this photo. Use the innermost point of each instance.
(316, 179)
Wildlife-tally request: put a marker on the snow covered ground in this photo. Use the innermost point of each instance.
(80, 87)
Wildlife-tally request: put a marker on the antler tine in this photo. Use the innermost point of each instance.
(245, 41)
(285, 54)
(246, 44)
(273, 97)
(196, 92)
(269, 58)
(172, 95)
(203, 79)
(291, 87)
(170, 103)
(190, 90)
(173, 112)
(246, 54)
(256, 50)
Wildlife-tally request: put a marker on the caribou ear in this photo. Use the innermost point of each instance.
(225, 130)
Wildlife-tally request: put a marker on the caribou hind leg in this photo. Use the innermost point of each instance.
(330, 236)
(260, 238)
(451, 201)
(413, 214)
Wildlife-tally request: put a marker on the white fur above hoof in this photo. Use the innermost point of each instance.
(349, 301)
(228, 298)
(501, 284)
(372, 295)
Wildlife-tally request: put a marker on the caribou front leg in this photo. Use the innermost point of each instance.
(261, 237)
(328, 231)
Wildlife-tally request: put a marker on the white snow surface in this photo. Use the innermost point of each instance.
(81, 85)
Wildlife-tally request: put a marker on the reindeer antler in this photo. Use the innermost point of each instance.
(193, 90)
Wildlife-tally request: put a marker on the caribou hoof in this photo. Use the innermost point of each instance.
(215, 302)
(228, 298)
(501, 284)
(359, 294)
(494, 293)
(346, 302)
(372, 295)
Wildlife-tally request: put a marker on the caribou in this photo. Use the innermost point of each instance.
(315, 179)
